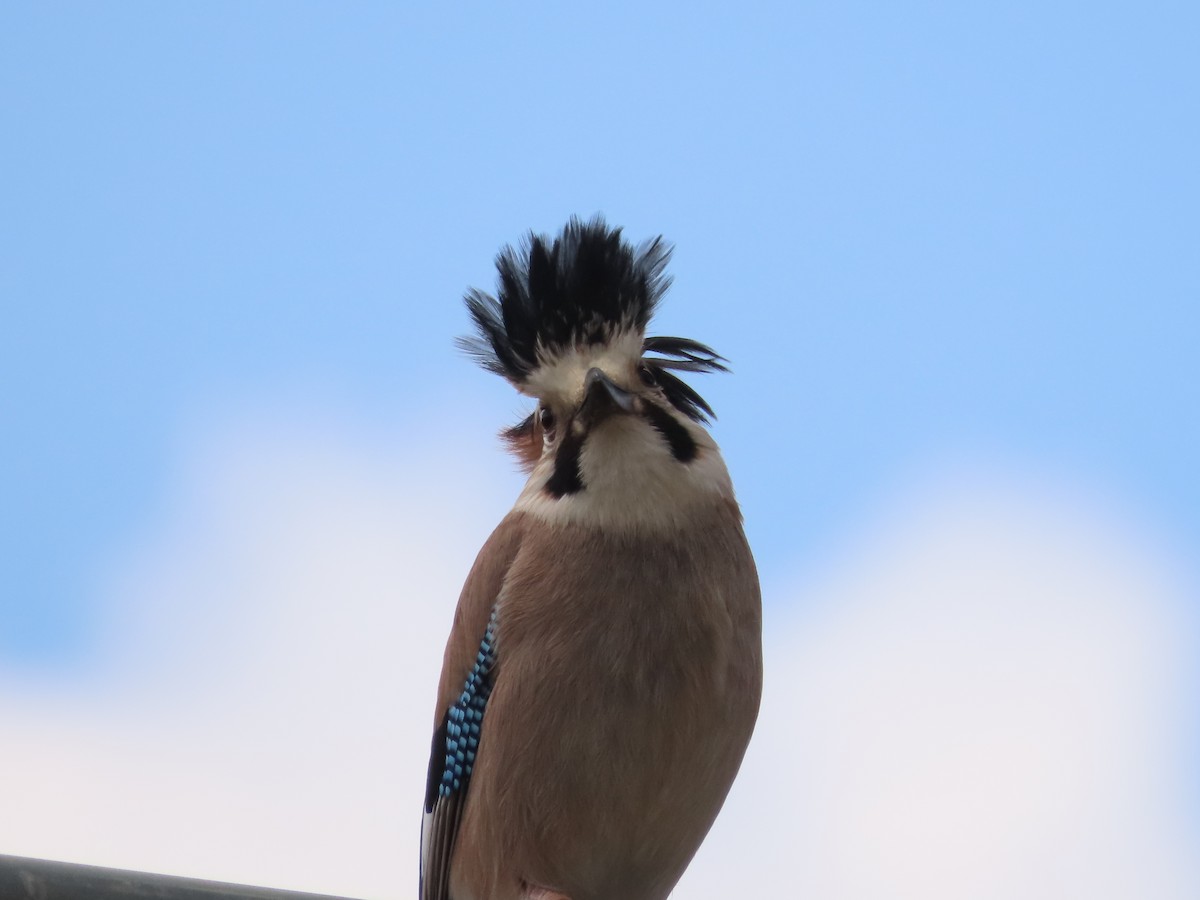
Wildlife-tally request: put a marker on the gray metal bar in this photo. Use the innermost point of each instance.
(40, 879)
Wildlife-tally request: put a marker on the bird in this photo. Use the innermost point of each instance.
(603, 672)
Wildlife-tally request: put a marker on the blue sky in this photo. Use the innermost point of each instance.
(928, 236)
(910, 230)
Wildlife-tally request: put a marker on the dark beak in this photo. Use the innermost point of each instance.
(602, 398)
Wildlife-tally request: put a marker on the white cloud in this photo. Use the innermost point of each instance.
(264, 715)
(981, 700)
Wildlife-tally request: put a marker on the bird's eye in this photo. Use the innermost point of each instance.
(546, 420)
(647, 375)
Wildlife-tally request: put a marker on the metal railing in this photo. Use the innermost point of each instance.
(40, 879)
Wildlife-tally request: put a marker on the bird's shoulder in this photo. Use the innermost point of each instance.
(475, 605)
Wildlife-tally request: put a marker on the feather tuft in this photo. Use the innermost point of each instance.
(582, 288)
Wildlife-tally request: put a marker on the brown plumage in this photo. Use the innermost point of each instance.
(619, 683)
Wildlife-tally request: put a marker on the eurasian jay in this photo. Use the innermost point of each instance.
(603, 672)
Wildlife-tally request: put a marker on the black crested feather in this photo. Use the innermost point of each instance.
(692, 355)
(577, 289)
(684, 397)
(688, 356)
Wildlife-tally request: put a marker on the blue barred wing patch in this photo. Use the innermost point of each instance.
(451, 759)
(465, 717)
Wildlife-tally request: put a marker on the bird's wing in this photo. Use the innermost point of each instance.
(469, 670)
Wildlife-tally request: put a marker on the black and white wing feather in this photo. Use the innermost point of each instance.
(451, 761)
